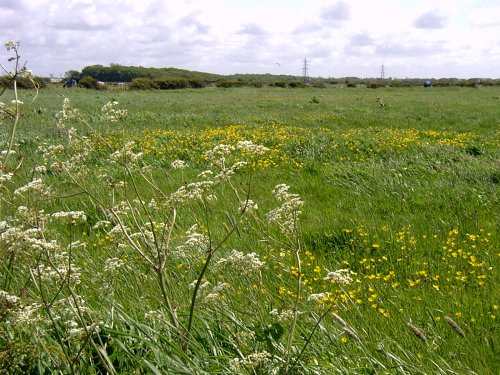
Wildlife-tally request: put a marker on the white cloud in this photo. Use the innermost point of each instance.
(361, 40)
(252, 29)
(12, 4)
(430, 20)
(335, 14)
(339, 38)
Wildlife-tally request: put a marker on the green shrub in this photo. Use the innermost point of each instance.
(281, 84)
(196, 83)
(165, 83)
(375, 85)
(257, 84)
(229, 83)
(400, 83)
(22, 82)
(296, 84)
(89, 83)
(143, 84)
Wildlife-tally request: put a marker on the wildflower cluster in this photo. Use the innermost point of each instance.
(111, 113)
(253, 363)
(287, 215)
(244, 264)
(286, 146)
(67, 114)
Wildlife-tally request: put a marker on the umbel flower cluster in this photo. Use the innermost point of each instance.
(287, 215)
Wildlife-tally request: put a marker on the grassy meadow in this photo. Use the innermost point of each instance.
(157, 235)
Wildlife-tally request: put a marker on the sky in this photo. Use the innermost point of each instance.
(410, 38)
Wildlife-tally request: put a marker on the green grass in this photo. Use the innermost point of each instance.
(401, 186)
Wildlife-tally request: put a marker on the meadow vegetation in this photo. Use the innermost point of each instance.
(249, 230)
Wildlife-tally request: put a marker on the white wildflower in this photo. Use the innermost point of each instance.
(217, 155)
(11, 44)
(211, 198)
(109, 113)
(319, 297)
(7, 299)
(342, 276)
(5, 177)
(66, 114)
(36, 187)
(248, 206)
(283, 316)
(111, 265)
(126, 155)
(191, 192)
(194, 242)
(253, 363)
(224, 175)
(206, 174)
(153, 204)
(40, 169)
(216, 294)
(27, 315)
(238, 165)
(70, 216)
(60, 271)
(251, 148)
(287, 215)
(178, 164)
(77, 245)
(243, 263)
(202, 286)
(101, 224)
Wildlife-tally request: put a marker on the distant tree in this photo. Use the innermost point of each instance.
(72, 74)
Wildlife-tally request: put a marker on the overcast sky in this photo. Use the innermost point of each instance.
(411, 38)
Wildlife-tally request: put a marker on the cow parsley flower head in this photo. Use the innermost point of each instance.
(178, 164)
(283, 316)
(287, 215)
(253, 363)
(342, 276)
(244, 264)
(250, 148)
(11, 44)
(111, 114)
(70, 216)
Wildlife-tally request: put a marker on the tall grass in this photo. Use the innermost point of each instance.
(250, 231)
